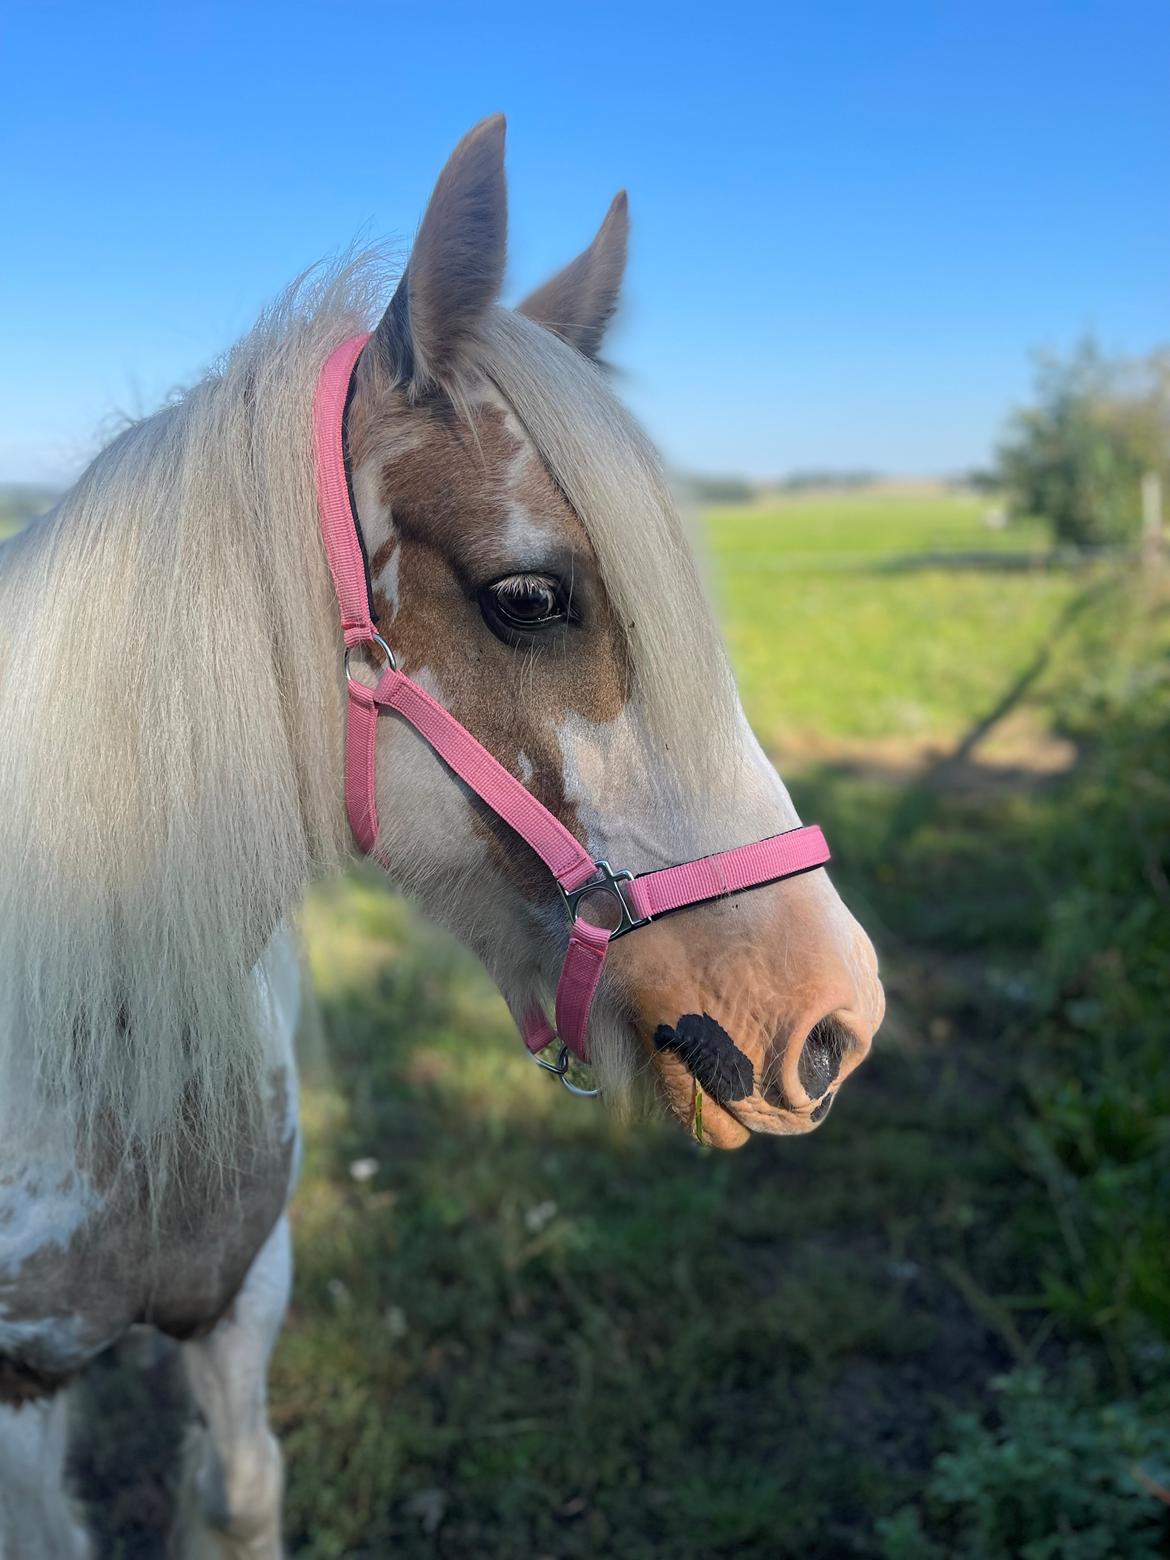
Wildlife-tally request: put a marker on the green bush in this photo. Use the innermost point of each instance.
(1099, 1086)
(719, 490)
(1077, 456)
(1060, 1476)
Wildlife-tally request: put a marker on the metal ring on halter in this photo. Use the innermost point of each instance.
(575, 1088)
(374, 639)
(557, 1068)
(560, 1068)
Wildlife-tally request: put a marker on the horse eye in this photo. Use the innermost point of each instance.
(524, 601)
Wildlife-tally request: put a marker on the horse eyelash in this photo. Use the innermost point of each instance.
(517, 584)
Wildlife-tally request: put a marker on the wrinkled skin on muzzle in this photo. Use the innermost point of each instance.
(762, 1004)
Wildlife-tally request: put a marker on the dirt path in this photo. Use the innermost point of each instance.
(1015, 752)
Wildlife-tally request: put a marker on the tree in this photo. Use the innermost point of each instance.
(1077, 456)
(719, 489)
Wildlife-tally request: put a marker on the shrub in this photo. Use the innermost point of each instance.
(1057, 1477)
(1076, 458)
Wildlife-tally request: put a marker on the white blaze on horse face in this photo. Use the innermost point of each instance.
(638, 818)
(845, 931)
(525, 534)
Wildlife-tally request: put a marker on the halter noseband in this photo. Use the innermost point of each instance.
(639, 899)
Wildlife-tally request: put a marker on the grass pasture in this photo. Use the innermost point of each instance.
(897, 616)
(940, 1326)
(522, 1330)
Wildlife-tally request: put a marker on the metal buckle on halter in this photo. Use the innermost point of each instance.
(606, 882)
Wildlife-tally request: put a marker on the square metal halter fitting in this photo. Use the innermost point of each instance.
(607, 882)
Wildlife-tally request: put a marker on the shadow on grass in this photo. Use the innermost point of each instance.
(991, 561)
(130, 1413)
(521, 1328)
(535, 1331)
(922, 797)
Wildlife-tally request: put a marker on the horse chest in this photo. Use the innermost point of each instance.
(48, 1211)
(78, 1266)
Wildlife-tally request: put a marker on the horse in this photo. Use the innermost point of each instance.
(172, 762)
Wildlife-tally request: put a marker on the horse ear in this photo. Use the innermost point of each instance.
(579, 302)
(457, 264)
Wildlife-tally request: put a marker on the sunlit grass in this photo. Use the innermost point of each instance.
(529, 1331)
(875, 616)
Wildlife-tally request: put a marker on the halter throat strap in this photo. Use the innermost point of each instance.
(637, 900)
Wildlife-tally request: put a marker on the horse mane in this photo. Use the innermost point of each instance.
(171, 705)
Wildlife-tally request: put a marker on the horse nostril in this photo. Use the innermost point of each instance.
(820, 1060)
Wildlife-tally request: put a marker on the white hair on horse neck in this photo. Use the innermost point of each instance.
(171, 708)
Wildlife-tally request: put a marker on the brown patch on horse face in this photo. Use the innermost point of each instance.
(758, 1001)
(463, 503)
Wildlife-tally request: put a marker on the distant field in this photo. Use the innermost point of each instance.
(873, 615)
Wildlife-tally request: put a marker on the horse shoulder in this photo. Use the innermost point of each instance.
(80, 1262)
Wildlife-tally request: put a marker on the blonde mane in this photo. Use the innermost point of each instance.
(170, 764)
(170, 719)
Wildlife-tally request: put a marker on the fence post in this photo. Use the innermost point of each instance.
(1151, 519)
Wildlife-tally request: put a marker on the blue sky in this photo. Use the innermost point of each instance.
(852, 221)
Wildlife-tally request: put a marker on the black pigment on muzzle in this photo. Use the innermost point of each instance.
(709, 1054)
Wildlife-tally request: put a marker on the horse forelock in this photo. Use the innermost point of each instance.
(614, 481)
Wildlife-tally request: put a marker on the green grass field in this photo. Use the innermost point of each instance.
(939, 1327)
(880, 616)
(532, 1332)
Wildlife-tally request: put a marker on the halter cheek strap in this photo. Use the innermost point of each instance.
(636, 900)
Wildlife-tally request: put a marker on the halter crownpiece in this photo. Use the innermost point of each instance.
(638, 899)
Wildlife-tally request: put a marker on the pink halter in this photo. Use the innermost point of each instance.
(638, 900)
